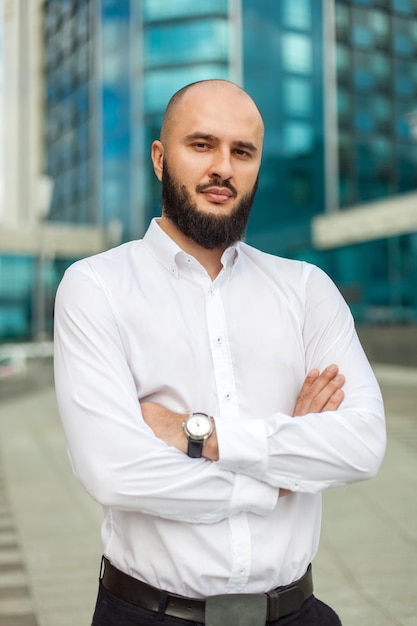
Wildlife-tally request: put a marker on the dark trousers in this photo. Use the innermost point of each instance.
(110, 611)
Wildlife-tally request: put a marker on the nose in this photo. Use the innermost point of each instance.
(221, 165)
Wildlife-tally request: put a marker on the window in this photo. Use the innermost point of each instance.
(300, 187)
(405, 36)
(297, 96)
(342, 18)
(343, 61)
(296, 13)
(297, 138)
(370, 28)
(296, 53)
(205, 40)
(165, 9)
(403, 6)
(344, 105)
(405, 82)
(371, 70)
(160, 85)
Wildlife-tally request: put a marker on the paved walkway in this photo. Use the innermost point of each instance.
(49, 528)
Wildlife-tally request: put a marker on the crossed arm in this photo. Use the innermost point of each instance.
(320, 392)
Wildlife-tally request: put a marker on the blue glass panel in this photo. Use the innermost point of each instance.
(402, 120)
(371, 70)
(160, 85)
(404, 36)
(403, 6)
(296, 53)
(404, 81)
(382, 107)
(343, 60)
(110, 34)
(296, 13)
(370, 28)
(364, 121)
(297, 137)
(362, 36)
(297, 96)
(381, 149)
(206, 40)
(164, 9)
(344, 104)
(342, 19)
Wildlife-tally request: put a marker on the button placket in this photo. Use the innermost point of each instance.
(220, 349)
(240, 540)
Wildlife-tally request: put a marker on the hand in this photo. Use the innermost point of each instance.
(320, 392)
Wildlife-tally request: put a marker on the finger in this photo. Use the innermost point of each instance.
(312, 387)
(326, 376)
(314, 384)
(335, 401)
(317, 390)
(304, 397)
(320, 401)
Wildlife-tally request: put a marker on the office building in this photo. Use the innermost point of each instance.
(336, 82)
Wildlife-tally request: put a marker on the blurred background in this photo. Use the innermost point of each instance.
(83, 87)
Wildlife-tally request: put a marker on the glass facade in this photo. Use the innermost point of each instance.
(283, 71)
(376, 50)
(68, 110)
(183, 42)
(110, 67)
(17, 277)
(27, 291)
(377, 89)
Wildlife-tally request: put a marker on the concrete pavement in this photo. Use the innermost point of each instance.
(50, 529)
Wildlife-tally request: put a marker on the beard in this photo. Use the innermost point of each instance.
(208, 230)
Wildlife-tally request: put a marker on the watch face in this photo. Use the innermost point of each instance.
(199, 426)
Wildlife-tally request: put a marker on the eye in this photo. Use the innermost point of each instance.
(242, 153)
(201, 145)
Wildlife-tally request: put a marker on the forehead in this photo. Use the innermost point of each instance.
(224, 112)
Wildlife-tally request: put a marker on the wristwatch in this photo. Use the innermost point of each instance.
(198, 428)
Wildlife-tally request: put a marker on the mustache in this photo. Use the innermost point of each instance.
(217, 182)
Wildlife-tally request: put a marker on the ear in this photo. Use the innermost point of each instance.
(158, 158)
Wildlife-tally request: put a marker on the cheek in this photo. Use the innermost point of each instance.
(187, 170)
(247, 182)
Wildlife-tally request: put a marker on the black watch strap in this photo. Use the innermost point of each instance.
(195, 449)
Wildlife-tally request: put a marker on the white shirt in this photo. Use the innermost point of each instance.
(145, 322)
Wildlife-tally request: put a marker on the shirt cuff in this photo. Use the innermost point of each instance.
(243, 446)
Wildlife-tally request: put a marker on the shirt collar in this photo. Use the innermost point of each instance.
(172, 256)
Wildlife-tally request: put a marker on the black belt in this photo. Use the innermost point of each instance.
(281, 601)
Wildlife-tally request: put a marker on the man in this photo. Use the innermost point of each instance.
(196, 382)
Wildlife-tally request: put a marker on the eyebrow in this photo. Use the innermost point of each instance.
(247, 145)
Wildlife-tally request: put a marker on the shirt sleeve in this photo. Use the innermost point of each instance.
(319, 450)
(113, 452)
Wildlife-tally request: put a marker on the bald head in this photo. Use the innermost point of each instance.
(207, 89)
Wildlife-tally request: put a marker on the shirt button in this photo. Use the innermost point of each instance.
(219, 340)
(228, 395)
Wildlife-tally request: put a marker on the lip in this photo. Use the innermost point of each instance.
(217, 194)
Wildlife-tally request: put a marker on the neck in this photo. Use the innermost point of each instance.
(209, 259)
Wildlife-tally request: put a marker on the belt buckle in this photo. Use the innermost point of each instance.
(245, 609)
